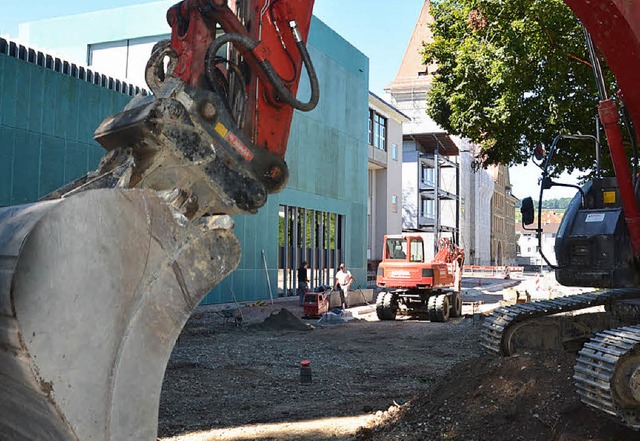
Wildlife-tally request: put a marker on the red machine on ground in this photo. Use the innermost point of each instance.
(413, 286)
(97, 285)
(598, 242)
(316, 303)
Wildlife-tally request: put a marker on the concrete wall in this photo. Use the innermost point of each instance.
(327, 152)
(414, 105)
(476, 188)
(71, 35)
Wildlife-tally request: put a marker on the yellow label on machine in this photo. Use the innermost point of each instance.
(222, 130)
(609, 197)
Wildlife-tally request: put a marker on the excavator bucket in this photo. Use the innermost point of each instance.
(94, 291)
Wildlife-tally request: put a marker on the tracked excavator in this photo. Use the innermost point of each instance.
(98, 278)
(598, 241)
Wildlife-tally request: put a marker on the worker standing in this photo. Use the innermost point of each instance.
(303, 281)
(343, 280)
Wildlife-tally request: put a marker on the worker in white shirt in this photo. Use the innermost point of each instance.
(343, 281)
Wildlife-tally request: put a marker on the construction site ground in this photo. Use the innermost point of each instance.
(371, 380)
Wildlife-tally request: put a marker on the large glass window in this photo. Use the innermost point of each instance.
(315, 237)
(377, 130)
(427, 174)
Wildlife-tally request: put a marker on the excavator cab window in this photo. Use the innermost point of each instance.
(417, 250)
(397, 249)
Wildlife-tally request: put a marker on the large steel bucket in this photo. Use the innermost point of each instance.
(94, 291)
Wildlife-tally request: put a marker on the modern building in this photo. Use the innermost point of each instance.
(49, 109)
(320, 217)
(384, 208)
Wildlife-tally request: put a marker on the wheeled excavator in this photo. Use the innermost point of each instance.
(417, 287)
(98, 278)
(598, 241)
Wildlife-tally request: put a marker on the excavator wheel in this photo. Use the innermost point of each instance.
(94, 291)
(386, 306)
(456, 305)
(438, 308)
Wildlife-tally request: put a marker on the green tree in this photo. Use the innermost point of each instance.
(550, 204)
(512, 74)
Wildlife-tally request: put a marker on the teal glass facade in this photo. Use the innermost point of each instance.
(48, 119)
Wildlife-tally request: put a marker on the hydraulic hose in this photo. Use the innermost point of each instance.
(248, 45)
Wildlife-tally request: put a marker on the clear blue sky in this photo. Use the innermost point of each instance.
(381, 29)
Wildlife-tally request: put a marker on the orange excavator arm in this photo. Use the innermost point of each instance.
(270, 39)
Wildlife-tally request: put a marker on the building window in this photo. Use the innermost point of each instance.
(377, 130)
(122, 58)
(428, 208)
(308, 235)
(427, 174)
(394, 204)
(394, 152)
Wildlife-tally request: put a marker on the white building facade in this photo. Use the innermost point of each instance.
(384, 208)
(443, 193)
(528, 251)
(476, 191)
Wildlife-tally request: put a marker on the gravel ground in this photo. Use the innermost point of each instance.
(372, 380)
(231, 382)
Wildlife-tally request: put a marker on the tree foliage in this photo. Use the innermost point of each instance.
(510, 75)
(551, 204)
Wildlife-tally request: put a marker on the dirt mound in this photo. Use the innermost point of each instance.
(528, 397)
(283, 320)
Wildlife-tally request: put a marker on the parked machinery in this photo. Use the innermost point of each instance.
(416, 287)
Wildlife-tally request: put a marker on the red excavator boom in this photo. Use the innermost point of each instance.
(264, 33)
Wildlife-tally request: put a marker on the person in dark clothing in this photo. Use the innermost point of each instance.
(303, 281)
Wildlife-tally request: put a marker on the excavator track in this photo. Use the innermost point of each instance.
(498, 328)
(607, 371)
(607, 374)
